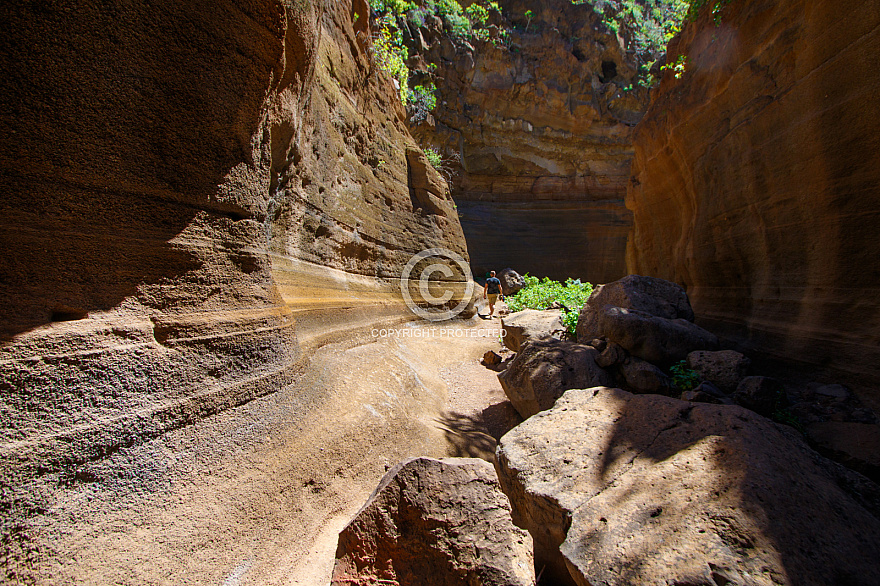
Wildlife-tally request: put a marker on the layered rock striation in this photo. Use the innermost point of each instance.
(194, 193)
(755, 177)
(535, 129)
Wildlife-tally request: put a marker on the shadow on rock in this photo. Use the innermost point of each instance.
(476, 436)
(649, 488)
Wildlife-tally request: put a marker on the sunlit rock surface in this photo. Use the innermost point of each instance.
(623, 489)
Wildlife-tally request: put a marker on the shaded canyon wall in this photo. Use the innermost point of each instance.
(536, 133)
(756, 182)
(194, 193)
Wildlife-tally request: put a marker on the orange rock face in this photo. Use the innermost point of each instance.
(537, 131)
(755, 182)
(190, 192)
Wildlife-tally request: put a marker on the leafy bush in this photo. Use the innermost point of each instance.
(694, 7)
(434, 158)
(390, 54)
(786, 417)
(397, 7)
(422, 100)
(679, 66)
(541, 294)
(651, 24)
(684, 378)
(459, 26)
(477, 14)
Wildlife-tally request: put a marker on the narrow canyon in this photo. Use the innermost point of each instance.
(244, 337)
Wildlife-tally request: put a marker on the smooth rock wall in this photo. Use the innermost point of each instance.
(194, 193)
(755, 183)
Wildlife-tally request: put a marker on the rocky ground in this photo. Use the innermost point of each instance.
(686, 478)
(259, 493)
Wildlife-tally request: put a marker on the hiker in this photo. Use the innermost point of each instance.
(491, 290)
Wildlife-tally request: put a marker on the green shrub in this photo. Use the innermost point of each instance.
(684, 378)
(397, 7)
(477, 14)
(786, 417)
(541, 294)
(390, 54)
(422, 101)
(651, 24)
(459, 26)
(434, 158)
(678, 67)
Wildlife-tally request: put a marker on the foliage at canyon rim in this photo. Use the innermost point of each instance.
(542, 293)
(645, 26)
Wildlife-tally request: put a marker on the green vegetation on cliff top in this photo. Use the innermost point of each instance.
(645, 26)
(391, 54)
(649, 24)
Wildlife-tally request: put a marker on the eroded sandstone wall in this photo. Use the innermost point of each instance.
(536, 133)
(193, 194)
(755, 182)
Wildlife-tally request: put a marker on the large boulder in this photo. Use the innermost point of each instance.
(725, 368)
(531, 324)
(611, 355)
(655, 339)
(651, 295)
(511, 281)
(621, 489)
(643, 377)
(543, 370)
(435, 522)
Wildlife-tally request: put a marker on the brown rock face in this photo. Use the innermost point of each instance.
(179, 180)
(755, 182)
(623, 489)
(543, 370)
(725, 368)
(537, 131)
(655, 339)
(655, 296)
(435, 522)
(531, 325)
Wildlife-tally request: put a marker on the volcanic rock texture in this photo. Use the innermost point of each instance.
(435, 523)
(755, 182)
(537, 133)
(621, 489)
(192, 192)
